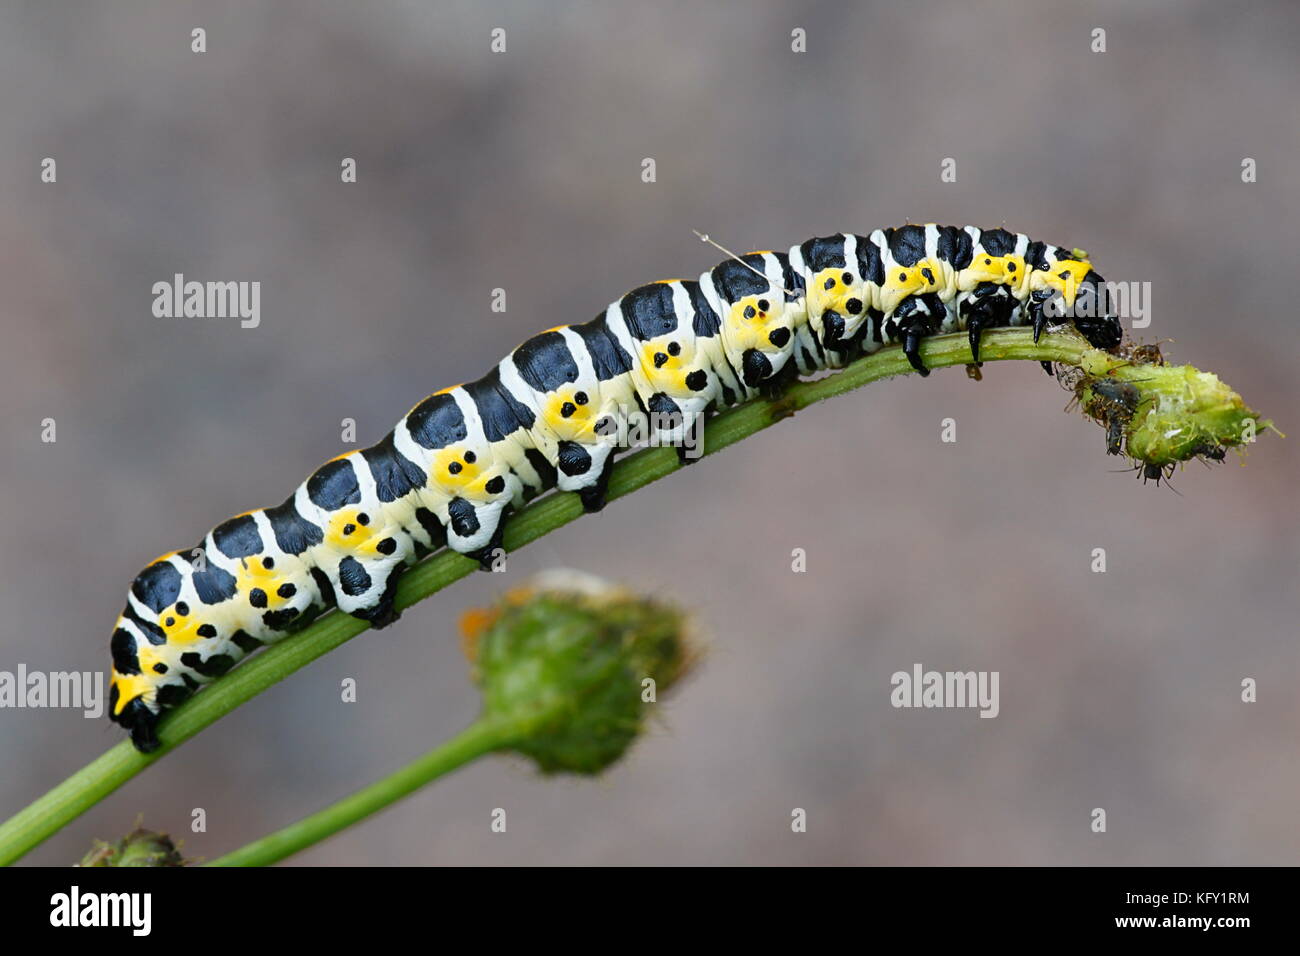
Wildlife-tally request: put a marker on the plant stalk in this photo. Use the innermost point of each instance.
(49, 813)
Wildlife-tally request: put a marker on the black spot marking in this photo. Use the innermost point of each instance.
(660, 404)
(495, 485)
(294, 534)
(573, 459)
(871, 263)
(268, 563)
(172, 695)
(432, 526)
(756, 367)
(906, 244)
(281, 619)
(207, 630)
(998, 242)
(581, 397)
(334, 485)
(160, 668)
(152, 632)
(387, 546)
(353, 577)
(954, 247)
(500, 411)
(698, 380)
(157, 586)
(779, 337)
(214, 666)
(545, 363)
(706, 323)
(238, 537)
(257, 597)
(833, 330)
(824, 253)
(608, 357)
(464, 520)
(349, 528)
(395, 475)
(648, 311)
(324, 585)
(213, 585)
(853, 306)
(288, 590)
(1036, 256)
(245, 641)
(568, 408)
(436, 422)
(545, 470)
(125, 659)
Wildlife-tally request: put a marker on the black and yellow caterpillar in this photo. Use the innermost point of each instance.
(449, 470)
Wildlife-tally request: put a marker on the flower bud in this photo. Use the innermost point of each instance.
(140, 847)
(575, 664)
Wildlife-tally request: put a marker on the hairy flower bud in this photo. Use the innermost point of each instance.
(576, 663)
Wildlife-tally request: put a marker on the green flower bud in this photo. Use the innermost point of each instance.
(1164, 414)
(575, 663)
(140, 847)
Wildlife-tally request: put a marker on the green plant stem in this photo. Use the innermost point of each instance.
(478, 739)
(98, 779)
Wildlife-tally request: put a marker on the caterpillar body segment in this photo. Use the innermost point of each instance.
(552, 413)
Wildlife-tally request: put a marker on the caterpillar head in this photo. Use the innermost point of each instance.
(470, 473)
(1069, 289)
(1093, 316)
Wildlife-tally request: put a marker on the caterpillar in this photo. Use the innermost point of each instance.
(449, 471)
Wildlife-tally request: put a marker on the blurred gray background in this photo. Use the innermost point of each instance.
(522, 170)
